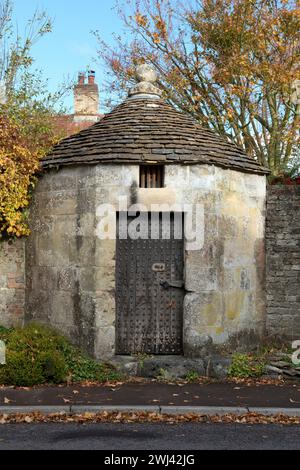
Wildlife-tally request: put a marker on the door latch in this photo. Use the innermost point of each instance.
(168, 284)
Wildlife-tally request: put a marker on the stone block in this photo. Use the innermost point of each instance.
(199, 280)
(53, 251)
(86, 199)
(86, 277)
(171, 367)
(105, 254)
(62, 308)
(238, 253)
(203, 315)
(105, 309)
(105, 343)
(210, 200)
(218, 367)
(104, 279)
(65, 179)
(81, 250)
(164, 197)
(67, 278)
(57, 203)
(38, 306)
(176, 176)
(44, 278)
(116, 175)
(202, 178)
(86, 177)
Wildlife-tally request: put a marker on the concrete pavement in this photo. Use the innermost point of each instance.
(212, 398)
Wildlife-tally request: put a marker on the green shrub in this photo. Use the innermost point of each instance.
(4, 333)
(246, 366)
(37, 355)
(20, 371)
(82, 368)
(192, 376)
(33, 357)
(54, 366)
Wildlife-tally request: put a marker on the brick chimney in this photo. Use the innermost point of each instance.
(86, 98)
(91, 77)
(81, 78)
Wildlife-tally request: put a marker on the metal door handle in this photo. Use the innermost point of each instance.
(168, 284)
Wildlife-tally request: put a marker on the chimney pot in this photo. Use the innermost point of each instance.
(81, 78)
(91, 77)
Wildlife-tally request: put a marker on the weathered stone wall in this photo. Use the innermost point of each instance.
(71, 273)
(12, 283)
(66, 267)
(225, 303)
(283, 261)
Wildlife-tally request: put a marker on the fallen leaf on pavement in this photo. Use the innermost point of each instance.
(3, 419)
(146, 417)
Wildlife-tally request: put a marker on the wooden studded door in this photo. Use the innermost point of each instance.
(150, 291)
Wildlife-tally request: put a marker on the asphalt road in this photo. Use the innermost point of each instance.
(148, 437)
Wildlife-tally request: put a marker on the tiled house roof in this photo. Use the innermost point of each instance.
(66, 124)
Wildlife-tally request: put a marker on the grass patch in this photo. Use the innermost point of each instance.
(37, 355)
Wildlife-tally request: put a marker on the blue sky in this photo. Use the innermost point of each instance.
(70, 47)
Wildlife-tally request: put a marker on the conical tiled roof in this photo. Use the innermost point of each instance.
(144, 129)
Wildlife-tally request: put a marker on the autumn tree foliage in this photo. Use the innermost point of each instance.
(20, 156)
(27, 109)
(18, 165)
(231, 64)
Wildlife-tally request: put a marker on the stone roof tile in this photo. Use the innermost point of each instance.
(145, 129)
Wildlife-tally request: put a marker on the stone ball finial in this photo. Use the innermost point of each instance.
(146, 73)
(147, 77)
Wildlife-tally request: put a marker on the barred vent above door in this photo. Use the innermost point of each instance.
(151, 176)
